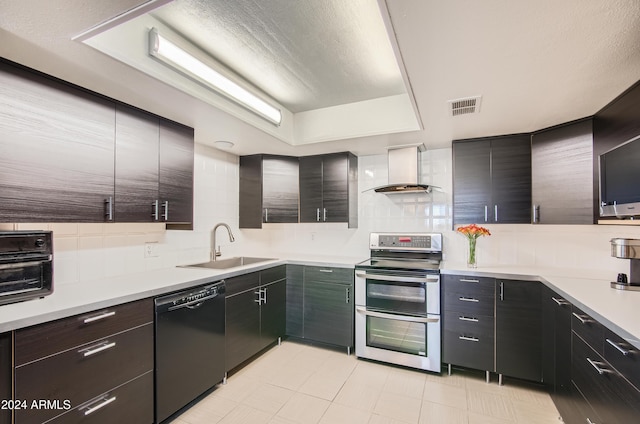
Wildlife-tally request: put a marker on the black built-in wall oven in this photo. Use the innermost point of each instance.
(26, 265)
(397, 297)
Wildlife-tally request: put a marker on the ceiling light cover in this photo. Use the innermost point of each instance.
(170, 54)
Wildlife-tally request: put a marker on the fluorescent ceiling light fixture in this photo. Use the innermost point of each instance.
(170, 54)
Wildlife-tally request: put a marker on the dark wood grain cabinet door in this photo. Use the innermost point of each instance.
(57, 150)
(273, 315)
(6, 378)
(519, 329)
(562, 175)
(335, 188)
(471, 181)
(511, 179)
(311, 188)
(328, 311)
(280, 189)
(242, 338)
(136, 166)
(250, 201)
(176, 173)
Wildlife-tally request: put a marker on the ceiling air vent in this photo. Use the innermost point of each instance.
(465, 105)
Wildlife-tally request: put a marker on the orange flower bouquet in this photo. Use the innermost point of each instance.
(472, 232)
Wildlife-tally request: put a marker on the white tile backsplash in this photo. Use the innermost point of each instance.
(90, 251)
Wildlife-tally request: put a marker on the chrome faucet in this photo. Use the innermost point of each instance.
(215, 253)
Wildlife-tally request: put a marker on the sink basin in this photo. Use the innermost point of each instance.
(230, 262)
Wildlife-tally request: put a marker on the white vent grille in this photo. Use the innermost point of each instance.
(465, 105)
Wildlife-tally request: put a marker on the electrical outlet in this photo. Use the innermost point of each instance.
(151, 250)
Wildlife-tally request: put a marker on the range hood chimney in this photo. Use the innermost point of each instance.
(404, 171)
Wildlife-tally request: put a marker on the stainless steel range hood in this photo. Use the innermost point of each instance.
(404, 171)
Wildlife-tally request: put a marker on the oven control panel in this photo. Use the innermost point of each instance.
(412, 241)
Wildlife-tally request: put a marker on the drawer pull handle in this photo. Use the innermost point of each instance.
(99, 317)
(617, 346)
(469, 339)
(581, 319)
(90, 352)
(102, 404)
(467, 280)
(325, 270)
(468, 299)
(560, 302)
(468, 319)
(594, 365)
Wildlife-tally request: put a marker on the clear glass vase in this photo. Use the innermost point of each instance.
(471, 254)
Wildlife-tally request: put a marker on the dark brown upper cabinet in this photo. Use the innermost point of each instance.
(492, 180)
(70, 155)
(57, 150)
(175, 191)
(154, 169)
(562, 174)
(137, 152)
(268, 190)
(328, 188)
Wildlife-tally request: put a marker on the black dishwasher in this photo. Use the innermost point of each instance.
(189, 346)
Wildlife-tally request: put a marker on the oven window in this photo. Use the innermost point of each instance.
(400, 336)
(397, 297)
(18, 278)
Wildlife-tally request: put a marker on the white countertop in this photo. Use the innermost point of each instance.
(617, 310)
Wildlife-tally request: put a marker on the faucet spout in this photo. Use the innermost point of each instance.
(215, 253)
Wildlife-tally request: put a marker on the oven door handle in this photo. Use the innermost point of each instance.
(408, 318)
(401, 279)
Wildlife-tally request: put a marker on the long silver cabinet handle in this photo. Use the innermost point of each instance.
(102, 404)
(347, 293)
(617, 346)
(99, 317)
(156, 210)
(108, 202)
(400, 279)
(560, 302)
(101, 348)
(324, 214)
(468, 299)
(469, 339)
(264, 292)
(165, 215)
(318, 214)
(468, 319)
(495, 213)
(407, 318)
(259, 299)
(594, 365)
(486, 213)
(467, 280)
(582, 320)
(325, 270)
(501, 290)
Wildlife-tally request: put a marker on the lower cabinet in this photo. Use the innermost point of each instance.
(519, 329)
(5, 376)
(321, 306)
(255, 313)
(493, 325)
(95, 367)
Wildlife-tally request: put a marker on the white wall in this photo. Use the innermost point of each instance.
(85, 252)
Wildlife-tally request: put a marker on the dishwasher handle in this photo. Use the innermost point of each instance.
(191, 299)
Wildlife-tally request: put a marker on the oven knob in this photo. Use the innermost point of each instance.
(40, 242)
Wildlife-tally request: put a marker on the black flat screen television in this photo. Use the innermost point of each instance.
(620, 180)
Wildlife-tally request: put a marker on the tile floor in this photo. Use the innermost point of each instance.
(296, 383)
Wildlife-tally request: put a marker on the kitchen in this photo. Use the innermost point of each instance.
(86, 252)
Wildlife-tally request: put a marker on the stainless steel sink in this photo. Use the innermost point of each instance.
(229, 262)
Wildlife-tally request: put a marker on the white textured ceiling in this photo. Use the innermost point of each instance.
(305, 54)
(536, 63)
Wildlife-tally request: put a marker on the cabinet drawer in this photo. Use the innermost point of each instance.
(79, 375)
(133, 403)
(622, 356)
(328, 274)
(468, 304)
(242, 283)
(476, 325)
(273, 274)
(589, 329)
(468, 346)
(613, 398)
(485, 285)
(47, 339)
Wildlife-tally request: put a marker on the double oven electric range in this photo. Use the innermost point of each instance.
(397, 294)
